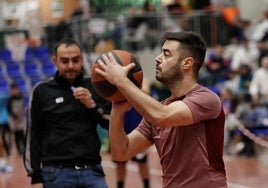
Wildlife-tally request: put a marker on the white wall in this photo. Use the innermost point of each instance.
(252, 9)
(1, 14)
(148, 63)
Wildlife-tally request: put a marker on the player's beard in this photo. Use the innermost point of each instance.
(173, 74)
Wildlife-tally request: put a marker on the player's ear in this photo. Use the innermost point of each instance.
(187, 62)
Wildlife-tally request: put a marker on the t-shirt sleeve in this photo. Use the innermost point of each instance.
(204, 105)
(145, 129)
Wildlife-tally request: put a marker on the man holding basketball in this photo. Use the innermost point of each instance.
(187, 128)
(62, 143)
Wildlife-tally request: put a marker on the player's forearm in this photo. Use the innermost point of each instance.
(152, 110)
(118, 137)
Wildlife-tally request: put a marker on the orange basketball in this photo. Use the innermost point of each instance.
(109, 91)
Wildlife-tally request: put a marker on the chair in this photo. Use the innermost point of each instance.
(2, 71)
(13, 69)
(31, 68)
(48, 68)
(4, 85)
(35, 79)
(29, 53)
(42, 52)
(5, 55)
(22, 84)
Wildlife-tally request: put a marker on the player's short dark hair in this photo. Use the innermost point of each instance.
(193, 44)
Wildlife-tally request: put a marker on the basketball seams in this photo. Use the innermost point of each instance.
(122, 55)
(106, 89)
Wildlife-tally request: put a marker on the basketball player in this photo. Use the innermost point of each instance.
(187, 128)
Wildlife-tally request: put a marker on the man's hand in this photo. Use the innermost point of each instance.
(113, 71)
(84, 96)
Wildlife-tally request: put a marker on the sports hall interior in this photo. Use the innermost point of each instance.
(30, 28)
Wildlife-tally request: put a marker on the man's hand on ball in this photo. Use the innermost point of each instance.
(111, 70)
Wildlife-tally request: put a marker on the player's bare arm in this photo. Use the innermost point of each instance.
(174, 114)
(124, 147)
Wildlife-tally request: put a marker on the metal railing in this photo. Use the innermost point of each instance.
(119, 30)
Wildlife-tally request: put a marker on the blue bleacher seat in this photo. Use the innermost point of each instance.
(31, 68)
(4, 85)
(41, 49)
(22, 84)
(2, 71)
(261, 131)
(215, 90)
(5, 55)
(48, 68)
(29, 53)
(42, 52)
(35, 79)
(13, 69)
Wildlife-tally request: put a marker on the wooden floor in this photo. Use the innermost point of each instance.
(242, 172)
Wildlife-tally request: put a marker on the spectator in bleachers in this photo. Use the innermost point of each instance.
(262, 46)
(229, 49)
(216, 68)
(261, 28)
(258, 87)
(247, 53)
(232, 81)
(240, 29)
(245, 77)
(216, 65)
(238, 81)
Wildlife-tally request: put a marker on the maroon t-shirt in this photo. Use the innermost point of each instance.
(192, 156)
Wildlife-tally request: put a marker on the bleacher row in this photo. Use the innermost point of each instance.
(36, 65)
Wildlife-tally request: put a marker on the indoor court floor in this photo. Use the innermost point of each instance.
(242, 172)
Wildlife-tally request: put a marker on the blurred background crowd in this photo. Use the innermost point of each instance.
(236, 66)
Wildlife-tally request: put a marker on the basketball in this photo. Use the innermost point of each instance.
(106, 89)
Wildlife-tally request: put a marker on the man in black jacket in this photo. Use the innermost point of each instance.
(62, 144)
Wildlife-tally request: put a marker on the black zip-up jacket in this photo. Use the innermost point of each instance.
(61, 129)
